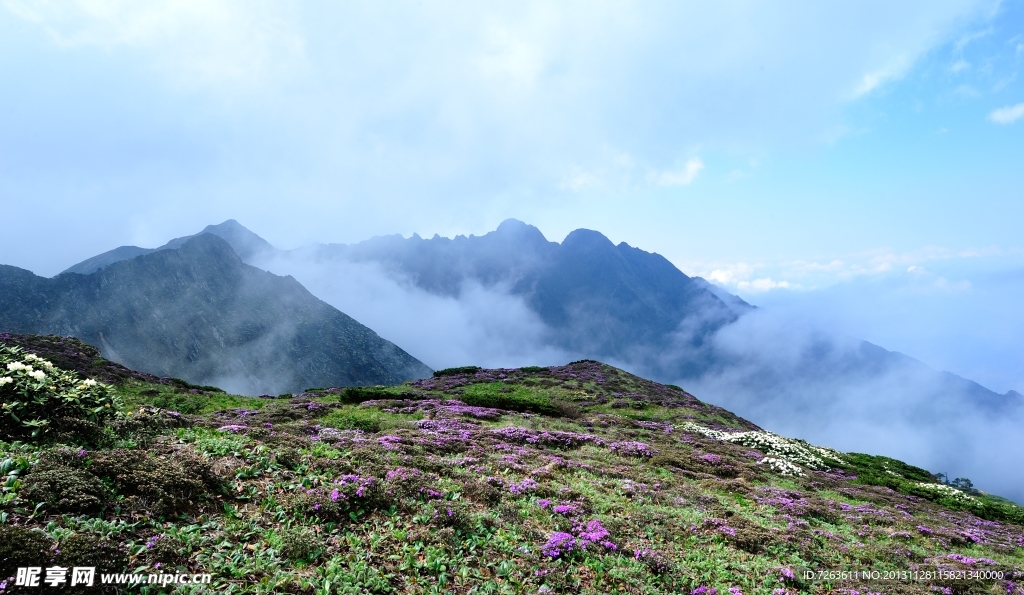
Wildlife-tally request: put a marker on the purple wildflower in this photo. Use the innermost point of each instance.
(631, 449)
(559, 543)
(526, 485)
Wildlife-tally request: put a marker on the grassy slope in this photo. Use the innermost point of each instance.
(430, 496)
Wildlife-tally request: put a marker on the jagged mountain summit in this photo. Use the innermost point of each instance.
(596, 298)
(194, 310)
(246, 244)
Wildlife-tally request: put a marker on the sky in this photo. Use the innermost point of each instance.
(858, 163)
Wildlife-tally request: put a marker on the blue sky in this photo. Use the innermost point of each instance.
(860, 162)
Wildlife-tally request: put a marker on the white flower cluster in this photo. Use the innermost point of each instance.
(18, 366)
(38, 360)
(781, 466)
(949, 491)
(775, 447)
(6, 380)
(88, 382)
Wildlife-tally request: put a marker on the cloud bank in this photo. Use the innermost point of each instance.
(1008, 114)
(485, 326)
(796, 378)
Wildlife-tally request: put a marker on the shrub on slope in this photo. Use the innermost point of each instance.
(35, 394)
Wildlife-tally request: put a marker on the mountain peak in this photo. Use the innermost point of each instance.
(515, 229)
(586, 239)
(244, 242)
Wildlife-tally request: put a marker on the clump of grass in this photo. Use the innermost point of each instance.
(365, 419)
(499, 395)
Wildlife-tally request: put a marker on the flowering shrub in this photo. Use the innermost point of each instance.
(781, 466)
(554, 438)
(777, 448)
(631, 449)
(344, 494)
(945, 491)
(34, 392)
(654, 560)
(559, 543)
(593, 532)
(522, 487)
(566, 509)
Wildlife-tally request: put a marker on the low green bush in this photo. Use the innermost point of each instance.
(365, 419)
(82, 481)
(87, 549)
(491, 395)
(457, 371)
(65, 490)
(300, 545)
(163, 486)
(22, 547)
(360, 394)
(167, 550)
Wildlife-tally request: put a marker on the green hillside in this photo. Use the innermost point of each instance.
(573, 479)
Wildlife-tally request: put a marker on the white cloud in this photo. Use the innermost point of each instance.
(894, 70)
(1008, 114)
(578, 180)
(753, 278)
(681, 177)
(194, 42)
(929, 281)
(742, 277)
(764, 284)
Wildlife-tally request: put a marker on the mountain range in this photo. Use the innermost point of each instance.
(194, 310)
(597, 299)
